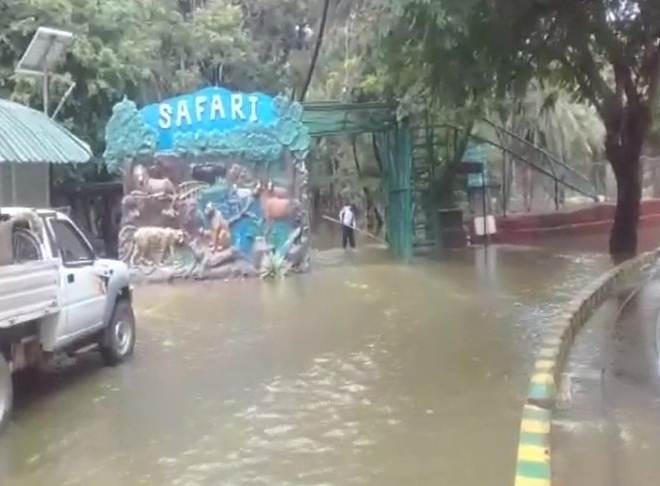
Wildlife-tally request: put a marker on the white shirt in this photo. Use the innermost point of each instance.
(347, 217)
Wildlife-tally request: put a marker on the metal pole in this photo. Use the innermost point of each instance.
(556, 194)
(483, 200)
(64, 98)
(45, 91)
(504, 184)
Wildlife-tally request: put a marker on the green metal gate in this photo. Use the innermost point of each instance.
(393, 143)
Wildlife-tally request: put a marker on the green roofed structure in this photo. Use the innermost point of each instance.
(29, 142)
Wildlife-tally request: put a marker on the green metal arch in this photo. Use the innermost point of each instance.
(394, 146)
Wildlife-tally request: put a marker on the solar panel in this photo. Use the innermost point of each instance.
(45, 49)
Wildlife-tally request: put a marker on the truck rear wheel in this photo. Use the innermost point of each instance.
(6, 392)
(118, 338)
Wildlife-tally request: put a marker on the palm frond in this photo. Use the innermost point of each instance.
(274, 265)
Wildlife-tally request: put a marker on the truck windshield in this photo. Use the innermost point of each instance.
(73, 248)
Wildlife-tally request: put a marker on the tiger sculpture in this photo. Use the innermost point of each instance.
(149, 245)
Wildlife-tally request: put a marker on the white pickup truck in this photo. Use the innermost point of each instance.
(56, 296)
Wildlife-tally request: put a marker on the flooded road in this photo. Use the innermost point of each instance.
(364, 372)
(607, 428)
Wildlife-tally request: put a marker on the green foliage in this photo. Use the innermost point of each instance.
(551, 118)
(349, 67)
(147, 50)
(271, 25)
(468, 52)
(434, 56)
(255, 144)
(274, 265)
(128, 137)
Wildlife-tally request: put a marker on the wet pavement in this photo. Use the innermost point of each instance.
(606, 430)
(363, 371)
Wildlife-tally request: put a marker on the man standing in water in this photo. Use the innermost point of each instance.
(348, 224)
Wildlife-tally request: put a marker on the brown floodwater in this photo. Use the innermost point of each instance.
(364, 371)
(606, 430)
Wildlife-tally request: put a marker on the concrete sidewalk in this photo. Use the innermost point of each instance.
(606, 429)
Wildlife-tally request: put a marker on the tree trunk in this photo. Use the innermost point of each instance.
(626, 131)
(623, 239)
(355, 157)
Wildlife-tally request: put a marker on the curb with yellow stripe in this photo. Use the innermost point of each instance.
(533, 467)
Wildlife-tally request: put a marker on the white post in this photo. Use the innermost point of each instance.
(13, 183)
(45, 97)
(48, 175)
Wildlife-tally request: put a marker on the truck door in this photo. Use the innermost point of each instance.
(83, 291)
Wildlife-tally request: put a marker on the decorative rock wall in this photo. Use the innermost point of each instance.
(215, 187)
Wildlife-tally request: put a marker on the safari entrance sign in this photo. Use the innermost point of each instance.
(215, 185)
(214, 110)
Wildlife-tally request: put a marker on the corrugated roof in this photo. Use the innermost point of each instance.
(27, 135)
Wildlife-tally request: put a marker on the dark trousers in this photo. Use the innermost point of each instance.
(348, 237)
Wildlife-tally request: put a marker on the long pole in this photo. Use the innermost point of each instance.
(64, 98)
(366, 233)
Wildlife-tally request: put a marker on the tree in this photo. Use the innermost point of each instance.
(317, 48)
(128, 138)
(105, 62)
(550, 118)
(346, 69)
(146, 50)
(607, 52)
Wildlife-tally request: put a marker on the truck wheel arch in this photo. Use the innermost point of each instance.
(123, 293)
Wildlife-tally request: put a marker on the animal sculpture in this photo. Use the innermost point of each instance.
(220, 232)
(30, 219)
(144, 183)
(239, 175)
(188, 217)
(275, 203)
(276, 191)
(209, 173)
(151, 245)
(170, 166)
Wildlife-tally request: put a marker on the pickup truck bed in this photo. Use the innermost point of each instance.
(28, 291)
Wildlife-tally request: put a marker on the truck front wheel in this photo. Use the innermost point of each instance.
(119, 337)
(6, 392)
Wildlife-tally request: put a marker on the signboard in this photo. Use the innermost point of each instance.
(475, 155)
(485, 226)
(475, 180)
(211, 109)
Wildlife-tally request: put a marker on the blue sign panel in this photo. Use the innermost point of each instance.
(476, 154)
(212, 108)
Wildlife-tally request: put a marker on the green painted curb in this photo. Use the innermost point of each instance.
(537, 470)
(529, 438)
(556, 345)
